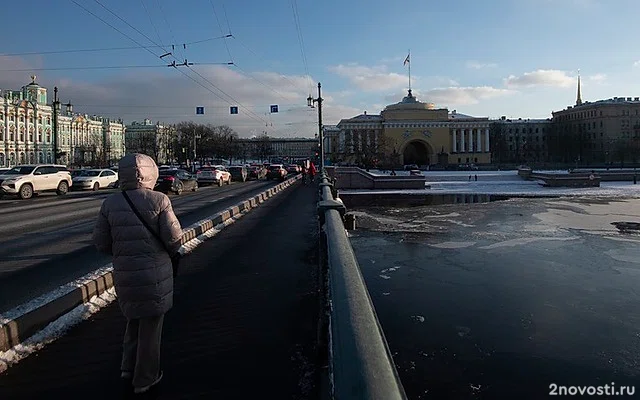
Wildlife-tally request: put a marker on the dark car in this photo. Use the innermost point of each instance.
(277, 171)
(256, 172)
(238, 173)
(176, 181)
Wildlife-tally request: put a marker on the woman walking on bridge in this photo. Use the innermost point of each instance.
(312, 171)
(140, 230)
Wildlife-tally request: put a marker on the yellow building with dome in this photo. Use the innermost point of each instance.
(410, 132)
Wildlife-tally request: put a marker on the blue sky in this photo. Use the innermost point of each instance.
(517, 58)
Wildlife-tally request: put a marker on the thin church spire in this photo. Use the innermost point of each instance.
(579, 98)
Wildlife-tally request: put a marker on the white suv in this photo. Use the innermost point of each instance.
(25, 180)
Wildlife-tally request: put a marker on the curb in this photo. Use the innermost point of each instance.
(27, 319)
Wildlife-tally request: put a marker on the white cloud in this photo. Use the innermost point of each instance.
(479, 65)
(636, 64)
(168, 96)
(541, 77)
(465, 95)
(370, 79)
(454, 95)
(440, 81)
(597, 78)
(392, 60)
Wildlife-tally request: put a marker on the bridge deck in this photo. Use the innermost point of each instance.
(243, 324)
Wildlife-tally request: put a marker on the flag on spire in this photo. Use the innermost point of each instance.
(406, 60)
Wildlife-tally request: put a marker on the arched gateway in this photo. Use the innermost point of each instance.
(416, 152)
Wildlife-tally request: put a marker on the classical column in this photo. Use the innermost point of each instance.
(462, 147)
(486, 140)
(455, 141)
(471, 140)
(479, 141)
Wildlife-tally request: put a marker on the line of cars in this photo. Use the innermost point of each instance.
(26, 181)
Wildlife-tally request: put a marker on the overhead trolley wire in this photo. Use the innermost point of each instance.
(251, 114)
(151, 20)
(215, 14)
(166, 21)
(264, 60)
(186, 64)
(46, 52)
(296, 20)
(94, 67)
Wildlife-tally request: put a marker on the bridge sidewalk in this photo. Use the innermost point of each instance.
(243, 324)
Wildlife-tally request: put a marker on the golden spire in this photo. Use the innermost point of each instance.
(579, 98)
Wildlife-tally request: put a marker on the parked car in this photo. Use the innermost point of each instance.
(95, 179)
(27, 180)
(217, 174)
(277, 171)
(257, 172)
(176, 181)
(238, 173)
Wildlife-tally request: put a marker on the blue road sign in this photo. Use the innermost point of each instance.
(274, 108)
(233, 109)
(199, 110)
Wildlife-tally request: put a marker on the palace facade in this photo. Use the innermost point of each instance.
(410, 132)
(27, 136)
(152, 139)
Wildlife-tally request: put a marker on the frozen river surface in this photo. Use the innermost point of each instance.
(505, 298)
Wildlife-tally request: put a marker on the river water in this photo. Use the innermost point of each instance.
(505, 298)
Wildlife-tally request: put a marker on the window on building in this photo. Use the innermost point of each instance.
(600, 124)
(537, 130)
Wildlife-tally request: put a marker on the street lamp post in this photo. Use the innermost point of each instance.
(56, 112)
(310, 102)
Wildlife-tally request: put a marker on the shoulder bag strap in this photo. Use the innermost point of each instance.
(135, 211)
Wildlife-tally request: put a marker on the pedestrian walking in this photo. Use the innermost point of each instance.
(476, 177)
(138, 227)
(312, 171)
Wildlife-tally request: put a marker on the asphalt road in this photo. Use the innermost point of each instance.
(46, 241)
(242, 326)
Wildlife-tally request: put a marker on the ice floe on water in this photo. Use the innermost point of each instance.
(525, 240)
(452, 245)
(589, 217)
(631, 255)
